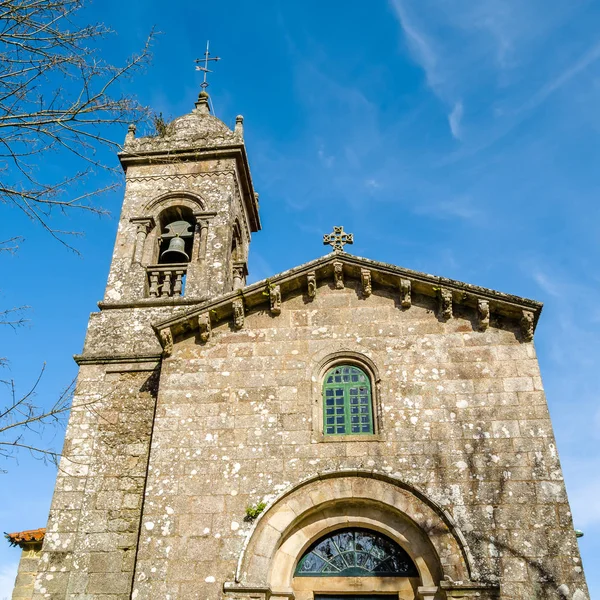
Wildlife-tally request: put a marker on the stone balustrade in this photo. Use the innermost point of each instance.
(166, 280)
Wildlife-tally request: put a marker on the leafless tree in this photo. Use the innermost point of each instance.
(56, 95)
(23, 422)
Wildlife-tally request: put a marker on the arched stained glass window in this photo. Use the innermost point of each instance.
(356, 553)
(347, 405)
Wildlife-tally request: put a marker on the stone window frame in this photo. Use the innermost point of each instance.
(351, 358)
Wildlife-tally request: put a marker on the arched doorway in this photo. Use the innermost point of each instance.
(429, 550)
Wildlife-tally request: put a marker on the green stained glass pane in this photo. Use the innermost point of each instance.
(340, 390)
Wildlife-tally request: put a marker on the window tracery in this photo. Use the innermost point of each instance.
(356, 552)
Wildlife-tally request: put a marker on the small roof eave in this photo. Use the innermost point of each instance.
(26, 538)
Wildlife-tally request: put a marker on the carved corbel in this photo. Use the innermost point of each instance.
(166, 340)
(338, 273)
(527, 319)
(204, 327)
(483, 310)
(275, 299)
(405, 293)
(311, 281)
(365, 276)
(445, 299)
(238, 313)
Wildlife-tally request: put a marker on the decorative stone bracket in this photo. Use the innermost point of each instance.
(483, 310)
(238, 313)
(204, 327)
(527, 320)
(338, 274)
(311, 282)
(275, 299)
(405, 293)
(365, 276)
(445, 302)
(166, 340)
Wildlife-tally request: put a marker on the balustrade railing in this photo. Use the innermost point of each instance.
(165, 281)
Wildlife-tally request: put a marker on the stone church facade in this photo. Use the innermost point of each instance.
(346, 428)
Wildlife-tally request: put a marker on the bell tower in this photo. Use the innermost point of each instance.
(188, 213)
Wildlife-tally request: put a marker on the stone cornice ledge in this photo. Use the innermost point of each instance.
(151, 302)
(239, 590)
(470, 589)
(334, 268)
(89, 359)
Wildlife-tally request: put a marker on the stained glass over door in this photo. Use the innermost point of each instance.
(347, 406)
(356, 553)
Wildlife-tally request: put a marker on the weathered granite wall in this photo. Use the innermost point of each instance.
(91, 538)
(28, 568)
(204, 186)
(461, 417)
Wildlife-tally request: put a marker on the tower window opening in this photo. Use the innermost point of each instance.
(176, 236)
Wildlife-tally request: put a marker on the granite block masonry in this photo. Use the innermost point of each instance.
(206, 458)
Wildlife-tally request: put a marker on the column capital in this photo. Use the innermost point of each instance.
(203, 216)
(142, 223)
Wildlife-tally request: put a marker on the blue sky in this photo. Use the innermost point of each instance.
(454, 137)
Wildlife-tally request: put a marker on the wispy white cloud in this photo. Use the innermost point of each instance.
(591, 56)
(420, 46)
(372, 184)
(327, 160)
(494, 46)
(461, 207)
(454, 120)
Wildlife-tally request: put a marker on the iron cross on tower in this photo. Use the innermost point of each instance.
(207, 58)
(338, 239)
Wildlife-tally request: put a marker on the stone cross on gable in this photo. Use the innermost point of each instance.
(338, 239)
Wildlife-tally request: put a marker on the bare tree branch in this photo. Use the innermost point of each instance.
(56, 96)
(23, 420)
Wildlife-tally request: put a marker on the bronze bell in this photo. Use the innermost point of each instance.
(175, 253)
(175, 232)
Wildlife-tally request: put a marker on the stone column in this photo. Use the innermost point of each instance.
(196, 285)
(144, 225)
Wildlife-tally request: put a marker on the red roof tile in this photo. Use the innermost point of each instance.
(20, 538)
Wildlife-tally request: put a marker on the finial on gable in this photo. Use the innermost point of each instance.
(239, 125)
(202, 103)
